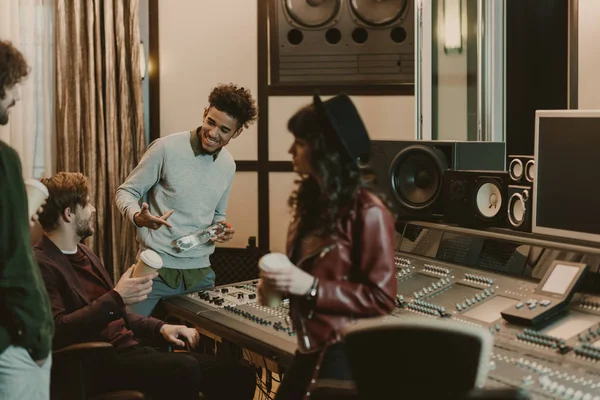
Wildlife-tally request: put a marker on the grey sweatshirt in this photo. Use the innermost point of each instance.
(177, 176)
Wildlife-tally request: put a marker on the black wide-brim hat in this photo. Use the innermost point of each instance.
(345, 125)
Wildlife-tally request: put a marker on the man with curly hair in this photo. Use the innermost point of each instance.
(187, 178)
(26, 325)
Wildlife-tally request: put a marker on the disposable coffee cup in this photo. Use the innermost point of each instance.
(148, 263)
(271, 262)
(37, 192)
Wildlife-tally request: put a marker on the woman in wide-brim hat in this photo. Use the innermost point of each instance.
(340, 242)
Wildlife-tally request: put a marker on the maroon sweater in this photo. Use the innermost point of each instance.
(84, 305)
(116, 332)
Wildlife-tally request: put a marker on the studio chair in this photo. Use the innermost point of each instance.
(422, 358)
(74, 373)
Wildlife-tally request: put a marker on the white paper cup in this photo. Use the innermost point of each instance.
(148, 263)
(37, 192)
(272, 262)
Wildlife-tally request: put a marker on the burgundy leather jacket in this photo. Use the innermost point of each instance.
(356, 271)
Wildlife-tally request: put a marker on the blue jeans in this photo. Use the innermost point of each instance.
(161, 290)
(21, 377)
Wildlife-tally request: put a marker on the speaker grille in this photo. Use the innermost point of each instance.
(358, 42)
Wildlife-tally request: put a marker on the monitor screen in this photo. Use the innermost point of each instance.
(566, 189)
(560, 278)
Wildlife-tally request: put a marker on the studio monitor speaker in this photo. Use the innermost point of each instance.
(475, 199)
(411, 173)
(346, 42)
(521, 170)
(519, 207)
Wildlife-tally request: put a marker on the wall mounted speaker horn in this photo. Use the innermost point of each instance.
(519, 207)
(521, 169)
(410, 173)
(475, 199)
(342, 42)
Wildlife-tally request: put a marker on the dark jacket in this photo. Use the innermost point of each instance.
(77, 319)
(25, 318)
(356, 271)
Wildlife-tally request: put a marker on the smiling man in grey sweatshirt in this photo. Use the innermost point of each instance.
(187, 178)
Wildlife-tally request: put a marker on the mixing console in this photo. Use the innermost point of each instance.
(557, 359)
(227, 296)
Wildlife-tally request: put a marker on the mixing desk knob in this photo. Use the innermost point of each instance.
(528, 380)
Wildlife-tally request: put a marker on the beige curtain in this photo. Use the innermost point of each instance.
(99, 112)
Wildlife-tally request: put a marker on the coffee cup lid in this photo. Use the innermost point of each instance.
(272, 261)
(38, 185)
(151, 258)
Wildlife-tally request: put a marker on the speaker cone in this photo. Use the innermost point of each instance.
(378, 12)
(515, 169)
(416, 175)
(488, 199)
(312, 13)
(530, 170)
(517, 208)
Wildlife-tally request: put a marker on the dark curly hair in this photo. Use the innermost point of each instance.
(235, 101)
(67, 190)
(13, 67)
(324, 205)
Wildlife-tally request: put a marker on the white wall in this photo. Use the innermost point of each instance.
(589, 54)
(203, 43)
(452, 82)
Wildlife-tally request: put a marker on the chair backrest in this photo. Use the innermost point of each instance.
(429, 357)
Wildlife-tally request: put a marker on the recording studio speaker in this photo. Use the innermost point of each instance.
(521, 170)
(519, 207)
(410, 173)
(342, 42)
(475, 199)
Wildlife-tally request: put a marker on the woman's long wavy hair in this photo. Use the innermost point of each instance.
(323, 205)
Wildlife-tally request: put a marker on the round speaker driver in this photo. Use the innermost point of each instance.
(488, 200)
(516, 210)
(416, 176)
(312, 13)
(530, 170)
(378, 12)
(515, 169)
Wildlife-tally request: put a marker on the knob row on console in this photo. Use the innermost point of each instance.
(435, 286)
(468, 302)
(278, 326)
(591, 334)
(588, 351)
(482, 280)
(435, 269)
(403, 273)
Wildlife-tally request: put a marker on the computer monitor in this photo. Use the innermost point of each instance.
(566, 193)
